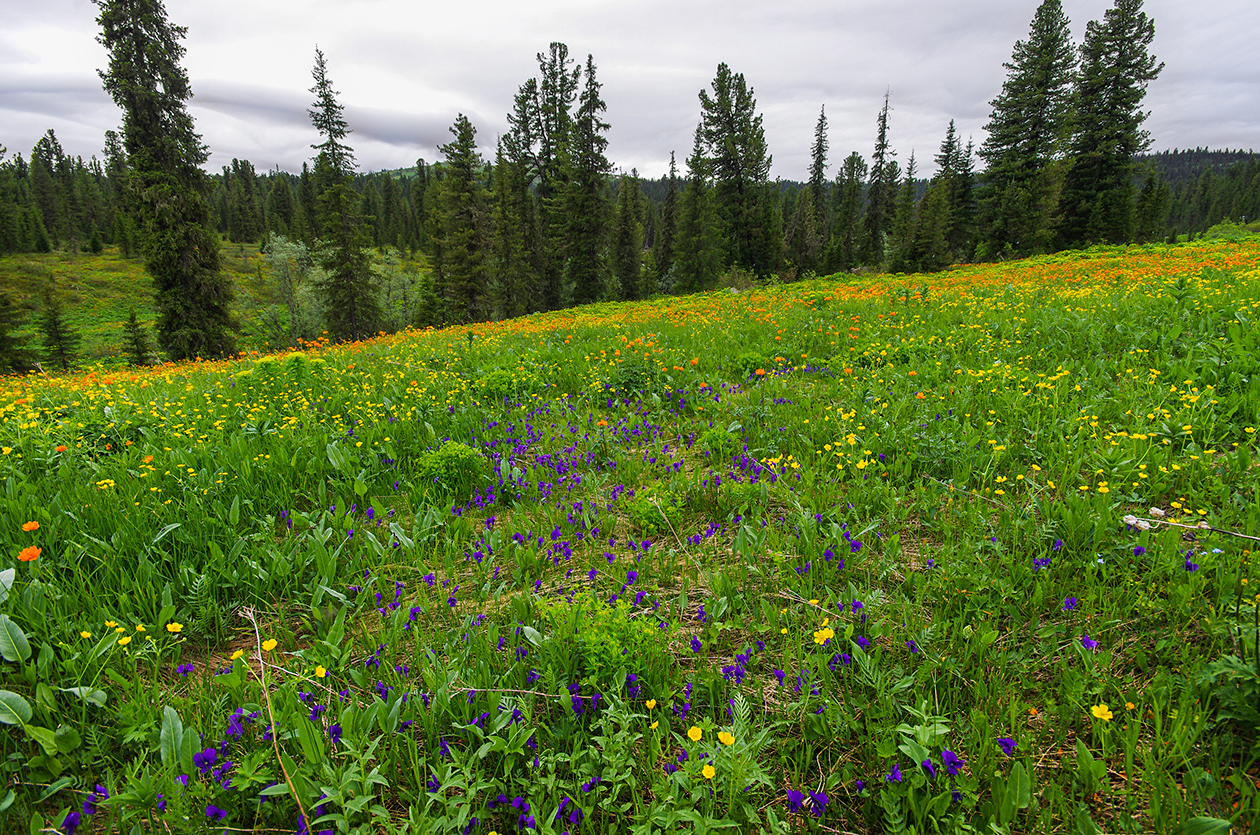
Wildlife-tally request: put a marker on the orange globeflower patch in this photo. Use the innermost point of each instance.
(30, 526)
(29, 554)
(61, 447)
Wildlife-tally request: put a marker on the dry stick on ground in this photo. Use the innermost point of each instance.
(271, 716)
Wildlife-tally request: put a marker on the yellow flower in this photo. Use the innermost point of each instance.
(119, 629)
(269, 644)
(139, 627)
(122, 642)
(1101, 712)
(320, 672)
(783, 631)
(726, 738)
(694, 733)
(110, 624)
(708, 771)
(651, 703)
(85, 634)
(174, 627)
(238, 654)
(653, 725)
(824, 635)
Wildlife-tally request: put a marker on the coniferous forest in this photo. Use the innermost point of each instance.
(549, 221)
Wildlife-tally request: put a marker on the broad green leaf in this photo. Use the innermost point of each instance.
(13, 643)
(67, 739)
(1206, 826)
(46, 739)
(170, 737)
(14, 710)
(8, 799)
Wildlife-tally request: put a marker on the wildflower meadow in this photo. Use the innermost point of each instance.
(965, 552)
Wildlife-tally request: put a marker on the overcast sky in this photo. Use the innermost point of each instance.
(404, 69)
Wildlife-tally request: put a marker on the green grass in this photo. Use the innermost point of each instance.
(729, 561)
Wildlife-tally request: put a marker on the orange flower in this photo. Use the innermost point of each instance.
(29, 554)
(695, 360)
(30, 526)
(61, 447)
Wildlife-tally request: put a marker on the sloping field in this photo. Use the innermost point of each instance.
(860, 554)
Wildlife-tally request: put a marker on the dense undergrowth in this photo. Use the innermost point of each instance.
(868, 553)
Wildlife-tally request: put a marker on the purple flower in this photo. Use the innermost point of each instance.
(1008, 745)
(1058, 543)
(204, 759)
(794, 800)
(1138, 550)
(893, 776)
(951, 762)
(334, 733)
(214, 813)
(819, 804)
(1088, 642)
(696, 646)
(928, 768)
(1069, 603)
(1191, 566)
(71, 822)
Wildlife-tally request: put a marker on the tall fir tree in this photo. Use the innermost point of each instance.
(738, 162)
(459, 241)
(902, 257)
(626, 250)
(585, 205)
(512, 279)
(1097, 204)
(347, 288)
(166, 187)
(818, 178)
(881, 194)
(843, 251)
(1026, 133)
(697, 253)
(667, 228)
(538, 140)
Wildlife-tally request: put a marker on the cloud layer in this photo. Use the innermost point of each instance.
(404, 71)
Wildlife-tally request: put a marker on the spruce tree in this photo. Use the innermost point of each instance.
(459, 241)
(585, 204)
(512, 280)
(627, 241)
(166, 187)
(1098, 193)
(667, 228)
(347, 288)
(1026, 134)
(843, 247)
(135, 340)
(15, 356)
(737, 160)
(697, 254)
(818, 178)
(61, 342)
(881, 194)
(902, 258)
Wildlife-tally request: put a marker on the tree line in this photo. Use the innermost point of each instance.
(548, 222)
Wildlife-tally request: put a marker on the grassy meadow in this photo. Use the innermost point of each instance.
(970, 551)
